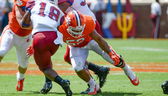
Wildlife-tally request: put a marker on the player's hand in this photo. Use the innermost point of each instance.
(114, 56)
(29, 51)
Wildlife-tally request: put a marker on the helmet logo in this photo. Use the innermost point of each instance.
(68, 20)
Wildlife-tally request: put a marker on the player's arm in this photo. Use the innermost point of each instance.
(19, 13)
(101, 42)
(104, 46)
(20, 10)
(26, 21)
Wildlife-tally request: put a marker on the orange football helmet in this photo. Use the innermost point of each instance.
(75, 23)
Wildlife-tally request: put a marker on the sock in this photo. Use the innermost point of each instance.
(47, 79)
(19, 76)
(92, 83)
(95, 68)
(129, 72)
(58, 79)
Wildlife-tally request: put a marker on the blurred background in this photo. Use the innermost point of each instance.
(120, 18)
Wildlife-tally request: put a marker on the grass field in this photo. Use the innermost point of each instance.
(147, 57)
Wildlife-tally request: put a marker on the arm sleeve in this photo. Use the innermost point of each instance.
(91, 24)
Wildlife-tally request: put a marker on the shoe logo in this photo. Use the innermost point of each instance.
(136, 81)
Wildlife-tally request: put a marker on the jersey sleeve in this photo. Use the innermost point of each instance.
(90, 26)
(61, 28)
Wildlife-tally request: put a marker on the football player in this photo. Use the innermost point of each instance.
(79, 33)
(46, 38)
(14, 36)
(80, 5)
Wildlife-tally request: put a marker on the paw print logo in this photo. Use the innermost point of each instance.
(68, 20)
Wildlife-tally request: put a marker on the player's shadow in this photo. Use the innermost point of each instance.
(57, 93)
(117, 94)
(100, 94)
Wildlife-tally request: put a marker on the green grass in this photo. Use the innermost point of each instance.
(133, 50)
(116, 85)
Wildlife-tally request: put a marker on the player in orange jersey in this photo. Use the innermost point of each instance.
(14, 35)
(81, 6)
(79, 33)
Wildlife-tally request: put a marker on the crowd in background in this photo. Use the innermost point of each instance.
(5, 8)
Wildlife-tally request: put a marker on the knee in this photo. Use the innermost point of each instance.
(78, 68)
(23, 61)
(3, 52)
(23, 65)
(45, 71)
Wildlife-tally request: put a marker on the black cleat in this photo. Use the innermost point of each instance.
(164, 87)
(86, 91)
(102, 74)
(66, 86)
(46, 88)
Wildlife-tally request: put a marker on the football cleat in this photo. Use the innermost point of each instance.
(65, 84)
(19, 86)
(46, 88)
(104, 71)
(164, 87)
(86, 91)
(92, 91)
(135, 81)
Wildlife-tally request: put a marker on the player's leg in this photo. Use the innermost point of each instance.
(44, 48)
(131, 75)
(100, 71)
(78, 57)
(6, 42)
(21, 44)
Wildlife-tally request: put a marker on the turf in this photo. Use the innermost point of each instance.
(134, 51)
(116, 85)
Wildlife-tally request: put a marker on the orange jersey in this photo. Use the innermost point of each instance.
(84, 39)
(13, 23)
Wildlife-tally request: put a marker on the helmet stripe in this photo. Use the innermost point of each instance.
(77, 18)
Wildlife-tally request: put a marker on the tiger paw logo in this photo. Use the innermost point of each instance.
(68, 20)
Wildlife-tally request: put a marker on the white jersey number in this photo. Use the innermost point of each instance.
(54, 12)
(75, 42)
